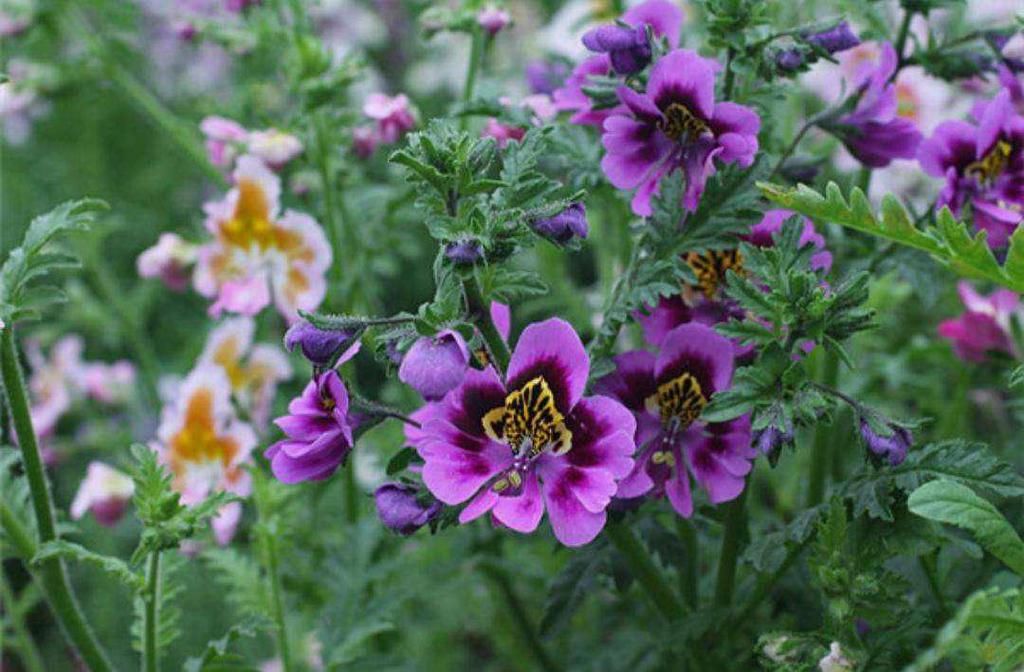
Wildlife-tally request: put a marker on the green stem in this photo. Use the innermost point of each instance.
(334, 224)
(351, 493)
(476, 49)
(480, 314)
(21, 638)
(730, 78)
(691, 563)
(514, 607)
(823, 438)
(182, 134)
(52, 572)
(151, 615)
(644, 569)
(927, 563)
(276, 596)
(728, 556)
(901, 39)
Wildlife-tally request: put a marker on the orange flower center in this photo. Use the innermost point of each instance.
(198, 441)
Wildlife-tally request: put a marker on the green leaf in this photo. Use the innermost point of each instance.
(355, 641)
(242, 583)
(955, 504)
(971, 464)
(574, 583)
(114, 566)
(15, 493)
(949, 242)
(216, 655)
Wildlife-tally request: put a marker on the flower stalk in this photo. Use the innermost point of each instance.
(480, 315)
(52, 572)
(151, 615)
(508, 597)
(728, 555)
(823, 437)
(688, 574)
(645, 571)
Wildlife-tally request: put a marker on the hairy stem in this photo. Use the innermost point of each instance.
(728, 555)
(276, 596)
(476, 50)
(333, 223)
(351, 490)
(514, 606)
(691, 563)
(151, 615)
(823, 438)
(52, 572)
(480, 314)
(644, 569)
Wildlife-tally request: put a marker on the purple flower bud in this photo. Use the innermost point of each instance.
(789, 60)
(770, 442)
(433, 366)
(400, 509)
(627, 47)
(837, 38)
(894, 447)
(464, 252)
(546, 76)
(492, 19)
(571, 222)
(321, 346)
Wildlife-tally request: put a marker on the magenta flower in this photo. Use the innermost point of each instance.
(771, 223)
(566, 225)
(983, 167)
(532, 443)
(224, 138)
(394, 116)
(666, 393)
(492, 19)
(676, 125)
(402, 510)
(502, 133)
(545, 76)
(104, 492)
(322, 347)
(170, 260)
(434, 366)
(318, 429)
(986, 324)
(873, 132)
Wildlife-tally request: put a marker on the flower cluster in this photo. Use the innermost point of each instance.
(393, 117)
(226, 140)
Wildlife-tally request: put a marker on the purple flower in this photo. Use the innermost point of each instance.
(318, 430)
(665, 20)
(545, 76)
(627, 47)
(770, 441)
(838, 38)
(435, 365)
(532, 443)
(873, 132)
(464, 252)
(985, 325)
(401, 510)
(893, 446)
(563, 227)
(493, 19)
(676, 125)
(983, 166)
(790, 59)
(322, 346)
(666, 393)
(771, 223)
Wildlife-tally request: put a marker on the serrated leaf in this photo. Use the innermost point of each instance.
(949, 242)
(217, 656)
(116, 567)
(955, 504)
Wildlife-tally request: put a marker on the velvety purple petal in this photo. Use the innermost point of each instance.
(523, 512)
(951, 145)
(465, 407)
(999, 222)
(635, 149)
(571, 522)
(642, 107)
(415, 436)
(501, 315)
(677, 489)
(454, 475)
(632, 382)
(305, 427)
(996, 115)
(664, 18)
(699, 351)
(553, 350)
(663, 318)
(435, 366)
(479, 505)
(683, 76)
(638, 482)
(877, 144)
(735, 118)
(610, 38)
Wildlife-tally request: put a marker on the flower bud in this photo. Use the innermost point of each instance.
(433, 366)
(169, 260)
(837, 38)
(790, 59)
(464, 252)
(627, 46)
(770, 441)
(104, 492)
(492, 19)
(321, 346)
(401, 510)
(546, 76)
(894, 447)
(563, 227)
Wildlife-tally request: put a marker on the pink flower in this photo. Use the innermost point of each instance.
(54, 381)
(253, 371)
(105, 492)
(169, 260)
(394, 116)
(205, 446)
(274, 147)
(223, 139)
(109, 383)
(364, 141)
(258, 252)
(986, 324)
(493, 19)
(502, 133)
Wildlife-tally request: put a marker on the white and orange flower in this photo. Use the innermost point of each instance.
(54, 381)
(205, 446)
(253, 371)
(258, 252)
(105, 492)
